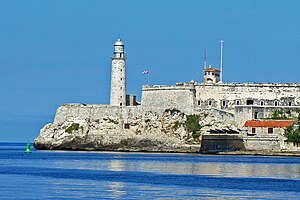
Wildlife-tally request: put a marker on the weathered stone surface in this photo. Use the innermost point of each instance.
(102, 127)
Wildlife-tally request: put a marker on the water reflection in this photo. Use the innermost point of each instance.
(202, 167)
(125, 176)
(116, 165)
(116, 189)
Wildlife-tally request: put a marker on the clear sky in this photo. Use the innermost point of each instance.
(59, 51)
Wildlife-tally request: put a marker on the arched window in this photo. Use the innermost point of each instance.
(224, 103)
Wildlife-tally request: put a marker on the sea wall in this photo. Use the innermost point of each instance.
(214, 143)
(221, 143)
(270, 142)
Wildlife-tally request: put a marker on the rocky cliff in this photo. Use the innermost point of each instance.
(95, 127)
(104, 127)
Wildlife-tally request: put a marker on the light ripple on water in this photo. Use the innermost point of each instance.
(106, 175)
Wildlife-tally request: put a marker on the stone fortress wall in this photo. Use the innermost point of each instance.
(167, 97)
(228, 95)
(94, 112)
(221, 95)
(230, 102)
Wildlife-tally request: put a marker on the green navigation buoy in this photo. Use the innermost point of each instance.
(28, 148)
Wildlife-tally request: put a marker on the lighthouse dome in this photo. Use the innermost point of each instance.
(119, 42)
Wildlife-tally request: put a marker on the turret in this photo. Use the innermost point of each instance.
(211, 75)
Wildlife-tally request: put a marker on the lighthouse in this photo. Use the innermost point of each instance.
(118, 75)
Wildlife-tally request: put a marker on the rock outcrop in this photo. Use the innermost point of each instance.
(100, 127)
(130, 130)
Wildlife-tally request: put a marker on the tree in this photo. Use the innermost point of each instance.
(192, 125)
(293, 135)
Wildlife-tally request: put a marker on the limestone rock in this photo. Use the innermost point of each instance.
(98, 127)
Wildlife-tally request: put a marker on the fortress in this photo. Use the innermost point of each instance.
(222, 107)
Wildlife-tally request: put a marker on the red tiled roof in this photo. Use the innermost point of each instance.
(269, 123)
(211, 69)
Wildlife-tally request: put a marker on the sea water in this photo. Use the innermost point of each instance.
(123, 175)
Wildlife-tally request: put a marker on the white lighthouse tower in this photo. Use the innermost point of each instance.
(118, 75)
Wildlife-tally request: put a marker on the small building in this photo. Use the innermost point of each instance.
(211, 75)
(260, 127)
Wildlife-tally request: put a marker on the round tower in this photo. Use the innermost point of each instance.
(118, 75)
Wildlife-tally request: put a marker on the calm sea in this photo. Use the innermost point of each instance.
(114, 175)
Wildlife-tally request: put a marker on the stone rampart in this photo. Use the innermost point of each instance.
(89, 111)
(168, 97)
(227, 95)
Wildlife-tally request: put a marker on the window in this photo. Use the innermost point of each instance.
(199, 103)
(270, 130)
(276, 103)
(253, 130)
(223, 103)
(238, 102)
(121, 104)
(209, 102)
(250, 102)
(261, 103)
(256, 115)
(121, 79)
(121, 88)
(126, 126)
(290, 103)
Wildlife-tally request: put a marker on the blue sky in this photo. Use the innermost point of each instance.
(58, 51)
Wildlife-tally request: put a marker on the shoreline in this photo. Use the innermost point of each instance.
(255, 153)
(220, 153)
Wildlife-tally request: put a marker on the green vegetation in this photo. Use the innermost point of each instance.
(196, 136)
(73, 127)
(279, 115)
(293, 134)
(192, 125)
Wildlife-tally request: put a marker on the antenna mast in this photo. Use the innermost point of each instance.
(221, 62)
(204, 58)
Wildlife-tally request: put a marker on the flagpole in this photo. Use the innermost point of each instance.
(148, 79)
